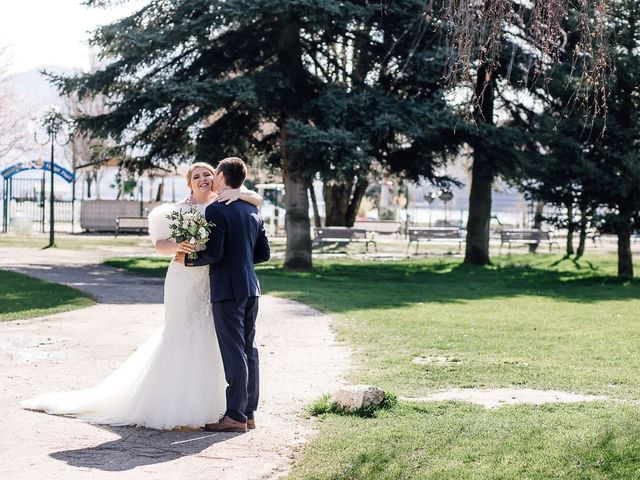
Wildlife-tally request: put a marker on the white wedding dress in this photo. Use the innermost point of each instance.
(175, 378)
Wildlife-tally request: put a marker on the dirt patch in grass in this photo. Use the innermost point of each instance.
(499, 397)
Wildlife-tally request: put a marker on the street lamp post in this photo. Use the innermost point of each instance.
(430, 197)
(53, 125)
(406, 210)
(446, 195)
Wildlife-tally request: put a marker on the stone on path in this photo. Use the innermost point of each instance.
(353, 397)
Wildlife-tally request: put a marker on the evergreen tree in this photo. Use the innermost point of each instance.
(509, 43)
(616, 153)
(203, 79)
(382, 110)
(593, 167)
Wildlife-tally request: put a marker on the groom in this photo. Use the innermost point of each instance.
(238, 241)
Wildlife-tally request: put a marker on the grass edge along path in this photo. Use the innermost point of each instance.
(26, 297)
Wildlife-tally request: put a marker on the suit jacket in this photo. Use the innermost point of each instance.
(238, 241)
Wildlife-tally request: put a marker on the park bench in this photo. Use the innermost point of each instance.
(450, 235)
(132, 224)
(380, 226)
(528, 237)
(342, 235)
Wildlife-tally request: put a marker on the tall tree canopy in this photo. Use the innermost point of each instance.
(382, 108)
(501, 45)
(582, 165)
(313, 86)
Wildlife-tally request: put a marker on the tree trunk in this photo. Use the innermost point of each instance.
(336, 202)
(160, 192)
(314, 204)
(537, 224)
(297, 223)
(482, 175)
(537, 216)
(356, 199)
(583, 234)
(477, 247)
(342, 201)
(625, 259)
(570, 229)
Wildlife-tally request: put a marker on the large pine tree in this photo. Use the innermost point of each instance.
(382, 110)
(312, 86)
(491, 40)
(616, 153)
(592, 167)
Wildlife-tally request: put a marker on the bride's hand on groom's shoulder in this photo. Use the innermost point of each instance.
(228, 196)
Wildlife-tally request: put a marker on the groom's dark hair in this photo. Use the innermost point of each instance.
(234, 171)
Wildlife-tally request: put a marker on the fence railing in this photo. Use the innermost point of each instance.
(32, 215)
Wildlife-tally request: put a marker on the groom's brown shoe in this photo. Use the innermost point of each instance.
(226, 424)
(251, 424)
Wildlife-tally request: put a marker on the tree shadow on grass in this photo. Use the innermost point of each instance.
(103, 283)
(350, 285)
(140, 446)
(578, 263)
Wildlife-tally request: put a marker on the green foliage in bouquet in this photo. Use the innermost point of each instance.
(190, 226)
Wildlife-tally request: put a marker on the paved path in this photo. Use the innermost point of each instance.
(300, 361)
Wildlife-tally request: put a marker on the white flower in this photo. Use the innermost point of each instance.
(193, 241)
(202, 232)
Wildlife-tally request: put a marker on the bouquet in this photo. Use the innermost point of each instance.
(190, 227)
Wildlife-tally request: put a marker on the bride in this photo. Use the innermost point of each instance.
(175, 379)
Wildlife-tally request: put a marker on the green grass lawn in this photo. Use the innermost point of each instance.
(526, 321)
(148, 266)
(26, 297)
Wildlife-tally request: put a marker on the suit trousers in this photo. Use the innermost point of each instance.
(235, 322)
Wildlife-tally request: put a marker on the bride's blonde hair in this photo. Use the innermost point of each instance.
(196, 165)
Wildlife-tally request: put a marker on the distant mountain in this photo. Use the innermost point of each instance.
(31, 95)
(35, 89)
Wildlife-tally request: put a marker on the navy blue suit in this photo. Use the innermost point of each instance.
(238, 241)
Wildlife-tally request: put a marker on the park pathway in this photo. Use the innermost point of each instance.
(299, 355)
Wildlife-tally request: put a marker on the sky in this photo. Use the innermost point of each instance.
(52, 32)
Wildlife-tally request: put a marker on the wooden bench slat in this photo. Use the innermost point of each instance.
(526, 236)
(379, 226)
(451, 235)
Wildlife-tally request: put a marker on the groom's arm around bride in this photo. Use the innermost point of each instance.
(215, 248)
